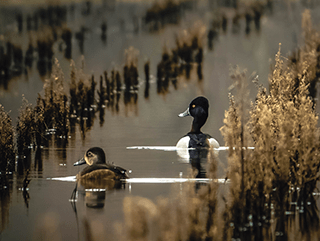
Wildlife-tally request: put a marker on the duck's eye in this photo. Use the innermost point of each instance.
(89, 154)
(193, 106)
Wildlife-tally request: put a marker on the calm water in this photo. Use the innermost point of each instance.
(153, 121)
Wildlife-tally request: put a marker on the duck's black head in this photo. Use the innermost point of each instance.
(199, 110)
(94, 155)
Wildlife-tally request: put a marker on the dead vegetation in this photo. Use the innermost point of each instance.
(278, 177)
(7, 150)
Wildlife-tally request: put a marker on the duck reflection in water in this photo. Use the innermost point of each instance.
(99, 176)
(198, 158)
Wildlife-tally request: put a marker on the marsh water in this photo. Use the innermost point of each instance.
(44, 211)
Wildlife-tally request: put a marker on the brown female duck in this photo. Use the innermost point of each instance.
(97, 168)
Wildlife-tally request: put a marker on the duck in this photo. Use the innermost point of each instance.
(97, 168)
(199, 110)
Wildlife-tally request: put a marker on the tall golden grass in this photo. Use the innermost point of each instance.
(282, 171)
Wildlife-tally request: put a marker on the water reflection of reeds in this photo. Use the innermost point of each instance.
(179, 61)
(45, 27)
(272, 217)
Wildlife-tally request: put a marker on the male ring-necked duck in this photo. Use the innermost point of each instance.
(98, 168)
(198, 109)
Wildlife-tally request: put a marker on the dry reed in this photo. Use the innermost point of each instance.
(7, 147)
(54, 101)
(25, 126)
(283, 168)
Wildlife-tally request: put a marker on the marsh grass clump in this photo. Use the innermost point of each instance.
(7, 147)
(294, 122)
(17, 60)
(245, 205)
(25, 126)
(54, 102)
(101, 94)
(163, 12)
(45, 40)
(30, 127)
(284, 166)
(252, 14)
(219, 22)
(130, 69)
(66, 36)
(180, 60)
(5, 63)
(307, 58)
(189, 44)
(104, 28)
(147, 76)
(110, 95)
(167, 72)
(130, 76)
(29, 56)
(82, 96)
(249, 12)
(273, 182)
(11, 63)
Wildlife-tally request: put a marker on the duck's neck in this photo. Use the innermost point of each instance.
(197, 124)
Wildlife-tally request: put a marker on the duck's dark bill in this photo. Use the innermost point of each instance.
(80, 162)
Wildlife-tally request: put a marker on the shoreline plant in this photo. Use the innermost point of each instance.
(272, 186)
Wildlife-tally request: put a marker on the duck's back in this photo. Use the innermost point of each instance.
(199, 140)
(103, 171)
(98, 171)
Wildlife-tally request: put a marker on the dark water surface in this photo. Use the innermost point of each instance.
(46, 210)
